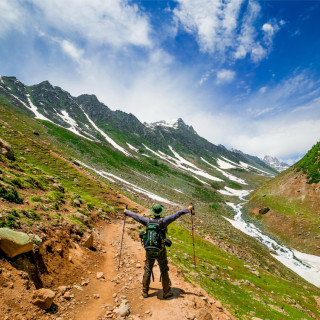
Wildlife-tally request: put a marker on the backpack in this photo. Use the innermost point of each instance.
(153, 238)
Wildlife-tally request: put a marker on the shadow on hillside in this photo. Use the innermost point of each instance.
(177, 293)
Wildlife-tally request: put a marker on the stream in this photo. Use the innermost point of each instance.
(305, 265)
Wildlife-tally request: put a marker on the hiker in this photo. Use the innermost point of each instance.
(155, 242)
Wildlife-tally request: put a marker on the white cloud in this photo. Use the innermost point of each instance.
(12, 16)
(74, 52)
(262, 90)
(114, 22)
(220, 27)
(212, 21)
(224, 76)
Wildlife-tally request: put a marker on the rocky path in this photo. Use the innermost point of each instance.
(116, 294)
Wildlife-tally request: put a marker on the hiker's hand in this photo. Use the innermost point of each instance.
(191, 207)
(124, 211)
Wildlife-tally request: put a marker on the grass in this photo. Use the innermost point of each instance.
(229, 284)
(310, 164)
(38, 167)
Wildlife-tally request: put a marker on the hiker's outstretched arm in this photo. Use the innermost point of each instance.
(136, 217)
(167, 220)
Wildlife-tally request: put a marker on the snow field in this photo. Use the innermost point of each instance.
(183, 164)
(226, 174)
(129, 186)
(108, 139)
(233, 192)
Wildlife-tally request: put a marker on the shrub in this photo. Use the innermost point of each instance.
(18, 183)
(36, 199)
(34, 214)
(10, 194)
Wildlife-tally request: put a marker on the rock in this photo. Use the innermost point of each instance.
(264, 210)
(138, 265)
(6, 150)
(62, 289)
(43, 298)
(77, 202)
(203, 314)
(88, 241)
(100, 275)
(123, 310)
(81, 216)
(13, 243)
(59, 187)
(213, 276)
(96, 296)
(219, 304)
(68, 295)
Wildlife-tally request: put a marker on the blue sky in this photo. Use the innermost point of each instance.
(244, 73)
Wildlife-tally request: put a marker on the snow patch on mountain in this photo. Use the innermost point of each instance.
(34, 109)
(132, 147)
(233, 192)
(246, 165)
(226, 174)
(111, 141)
(129, 185)
(169, 124)
(182, 163)
(225, 165)
(203, 182)
(73, 124)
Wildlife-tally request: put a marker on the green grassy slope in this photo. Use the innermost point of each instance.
(293, 198)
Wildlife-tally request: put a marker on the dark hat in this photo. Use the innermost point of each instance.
(157, 210)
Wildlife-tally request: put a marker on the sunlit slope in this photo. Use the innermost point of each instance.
(224, 254)
(293, 198)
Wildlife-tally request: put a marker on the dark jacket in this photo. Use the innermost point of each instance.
(166, 220)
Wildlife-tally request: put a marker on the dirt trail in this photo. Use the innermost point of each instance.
(126, 283)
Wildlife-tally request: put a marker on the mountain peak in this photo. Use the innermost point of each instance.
(274, 163)
(174, 124)
(45, 84)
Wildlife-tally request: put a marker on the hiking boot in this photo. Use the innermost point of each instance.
(167, 295)
(145, 294)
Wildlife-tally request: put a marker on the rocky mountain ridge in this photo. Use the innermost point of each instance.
(274, 163)
(86, 116)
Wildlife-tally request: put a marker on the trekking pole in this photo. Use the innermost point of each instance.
(194, 253)
(124, 224)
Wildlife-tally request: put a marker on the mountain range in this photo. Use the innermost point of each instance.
(73, 154)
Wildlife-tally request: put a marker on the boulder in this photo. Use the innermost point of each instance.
(43, 298)
(77, 202)
(88, 241)
(58, 187)
(13, 243)
(124, 309)
(82, 217)
(204, 314)
(264, 210)
(6, 150)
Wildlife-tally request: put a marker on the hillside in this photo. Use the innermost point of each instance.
(293, 199)
(70, 182)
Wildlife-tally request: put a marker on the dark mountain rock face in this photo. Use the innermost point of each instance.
(85, 113)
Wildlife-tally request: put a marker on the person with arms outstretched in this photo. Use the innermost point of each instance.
(155, 242)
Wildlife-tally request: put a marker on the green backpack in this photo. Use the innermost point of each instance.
(154, 237)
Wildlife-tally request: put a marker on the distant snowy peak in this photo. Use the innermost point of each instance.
(174, 124)
(274, 163)
(168, 124)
